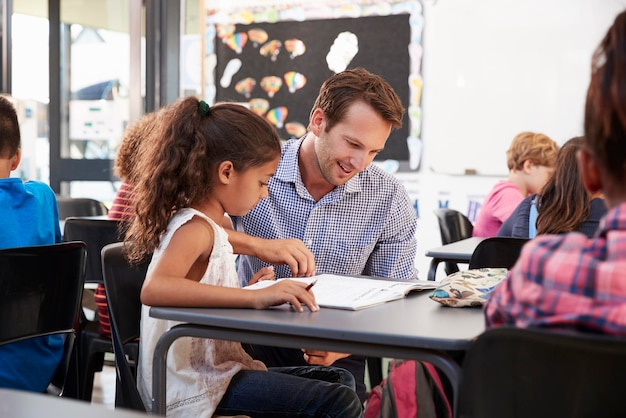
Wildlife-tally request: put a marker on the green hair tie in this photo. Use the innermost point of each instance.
(204, 108)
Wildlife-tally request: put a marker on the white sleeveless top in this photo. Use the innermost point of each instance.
(198, 369)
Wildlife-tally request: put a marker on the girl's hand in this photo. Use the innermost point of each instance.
(286, 291)
(266, 273)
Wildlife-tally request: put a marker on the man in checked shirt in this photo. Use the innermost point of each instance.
(329, 209)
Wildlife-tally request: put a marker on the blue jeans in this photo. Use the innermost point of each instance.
(298, 392)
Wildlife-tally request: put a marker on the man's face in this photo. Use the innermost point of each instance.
(350, 145)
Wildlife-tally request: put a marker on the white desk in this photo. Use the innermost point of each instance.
(459, 251)
(412, 328)
(21, 404)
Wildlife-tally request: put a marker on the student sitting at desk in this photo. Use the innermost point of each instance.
(570, 280)
(530, 159)
(203, 162)
(28, 216)
(563, 205)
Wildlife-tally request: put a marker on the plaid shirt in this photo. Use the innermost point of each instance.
(366, 226)
(568, 281)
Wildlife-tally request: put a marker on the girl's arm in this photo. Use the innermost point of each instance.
(174, 279)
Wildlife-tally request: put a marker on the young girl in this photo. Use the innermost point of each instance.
(201, 163)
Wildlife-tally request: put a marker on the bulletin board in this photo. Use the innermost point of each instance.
(276, 68)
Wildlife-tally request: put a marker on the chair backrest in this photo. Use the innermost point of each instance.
(453, 225)
(80, 206)
(513, 372)
(40, 294)
(96, 233)
(497, 252)
(123, 282)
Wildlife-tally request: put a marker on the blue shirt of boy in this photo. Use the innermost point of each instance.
(28, 216)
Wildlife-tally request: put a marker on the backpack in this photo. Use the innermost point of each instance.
(411, 389)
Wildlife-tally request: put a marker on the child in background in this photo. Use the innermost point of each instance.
(28, 216)
(530, 159)
(135, 135)
(563, 205)
(122, 207)
(204, 162)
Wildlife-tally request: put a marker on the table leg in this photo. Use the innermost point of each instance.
(440, 359)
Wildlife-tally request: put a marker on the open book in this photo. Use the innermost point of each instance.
(353, 293)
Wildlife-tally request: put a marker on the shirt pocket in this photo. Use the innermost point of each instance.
(347, 257)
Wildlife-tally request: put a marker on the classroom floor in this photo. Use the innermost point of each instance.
(104, 387)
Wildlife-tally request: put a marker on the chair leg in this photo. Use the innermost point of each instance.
(72, 385)
(90, 367)
(375, 370)
(450, 268)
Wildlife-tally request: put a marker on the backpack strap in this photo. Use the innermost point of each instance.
(442, 404)
(532, 219)
(423, 393)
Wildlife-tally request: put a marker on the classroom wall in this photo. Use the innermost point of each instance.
(492, 68)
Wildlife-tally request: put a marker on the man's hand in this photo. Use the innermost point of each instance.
(290, 251)
(322, 358)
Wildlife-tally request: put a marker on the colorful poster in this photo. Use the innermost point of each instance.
(275, 60)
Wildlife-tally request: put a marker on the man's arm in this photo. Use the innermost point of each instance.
(395, 252)
(290, 251)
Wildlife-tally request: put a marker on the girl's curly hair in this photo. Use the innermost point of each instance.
(176, 170)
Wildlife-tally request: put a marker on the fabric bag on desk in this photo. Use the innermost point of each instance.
(469, 287)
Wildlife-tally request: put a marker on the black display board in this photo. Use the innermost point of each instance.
(382, 49)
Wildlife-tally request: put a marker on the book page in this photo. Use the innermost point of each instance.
(346, 292)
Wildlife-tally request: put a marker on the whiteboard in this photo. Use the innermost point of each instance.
(494, 68)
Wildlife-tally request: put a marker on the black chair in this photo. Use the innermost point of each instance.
(90, 345)
(123, 287)
(80, 206)
(524, 373)
(453, 226)
(497, 252)
(40, 294)
(96, 233)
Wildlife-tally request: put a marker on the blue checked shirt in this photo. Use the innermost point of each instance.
(364, 227)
